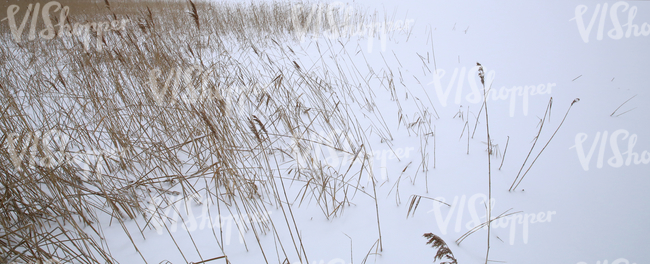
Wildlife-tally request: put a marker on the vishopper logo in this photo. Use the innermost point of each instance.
(193, 84)
(329, 153)
(30, 142)
(617, 261)
(341, 22)
(39, 146)
(615, 33)
(65, 30)
(480, 200)
(181, 83)
(475, 96)
(619, 158)
(170, 218)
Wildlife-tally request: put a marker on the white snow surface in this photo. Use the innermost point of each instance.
(572, 210)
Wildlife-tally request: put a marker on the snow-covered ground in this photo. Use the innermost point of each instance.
(584, 200)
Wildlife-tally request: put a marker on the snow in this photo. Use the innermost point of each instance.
(568, 214)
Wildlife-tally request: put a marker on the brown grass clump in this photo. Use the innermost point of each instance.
(187, 98)
(443, 250)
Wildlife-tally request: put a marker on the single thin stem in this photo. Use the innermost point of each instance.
(504, 153)
(374, 189)
(487, 127)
